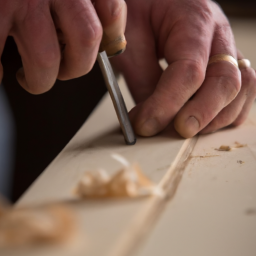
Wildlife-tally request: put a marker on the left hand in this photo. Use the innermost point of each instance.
(185, 33)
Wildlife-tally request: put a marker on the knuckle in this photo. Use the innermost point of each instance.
(224, 36)
(115, 7)
(191, 79)
(194, 74)
(223, 28)
(228, 79)
(202, 11)
(84, 20)
(205, 15)
(196, 69)
(91, 34)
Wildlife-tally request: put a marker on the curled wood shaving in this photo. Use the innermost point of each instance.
(50, 224)
(127, 182)
(239, 145)
(228, 148)
(223, 148)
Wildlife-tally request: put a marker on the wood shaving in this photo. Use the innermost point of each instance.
(239, 145)
(127, 182)
(240, 162)
(50, 224)
(223, 148)
(206, 156)
(228, 148)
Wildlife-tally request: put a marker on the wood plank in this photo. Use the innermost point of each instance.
(214, 210)
(114, 224)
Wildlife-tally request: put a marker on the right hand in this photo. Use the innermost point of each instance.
(187, 33)
(40, 27)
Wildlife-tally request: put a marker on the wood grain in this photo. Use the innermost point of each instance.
(209, 208)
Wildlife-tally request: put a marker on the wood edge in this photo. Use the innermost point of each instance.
(130, 241)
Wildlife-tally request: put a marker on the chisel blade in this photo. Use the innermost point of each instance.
(117, 98)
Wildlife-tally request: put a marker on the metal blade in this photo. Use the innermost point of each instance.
(117, 98)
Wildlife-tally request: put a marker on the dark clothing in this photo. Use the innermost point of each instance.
(45, 123)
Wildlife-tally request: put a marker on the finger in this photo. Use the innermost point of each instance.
(139, 63)
(38, 46)
(81, 32)
(249, 80)
(236, 112)
(221, 86)
(112, 15)
(187, 56)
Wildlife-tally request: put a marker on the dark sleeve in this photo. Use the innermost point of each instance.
(45, 123)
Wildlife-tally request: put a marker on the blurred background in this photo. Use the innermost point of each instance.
(238, 8)
(242, 16)
(43, 130)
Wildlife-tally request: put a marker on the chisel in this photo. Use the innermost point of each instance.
(110, 48)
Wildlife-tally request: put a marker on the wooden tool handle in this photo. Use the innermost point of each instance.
(113, 40)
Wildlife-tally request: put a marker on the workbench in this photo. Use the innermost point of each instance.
(210, 203)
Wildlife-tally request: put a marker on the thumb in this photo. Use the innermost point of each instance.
(112, 14)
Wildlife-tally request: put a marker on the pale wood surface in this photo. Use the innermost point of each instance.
(214, 210)
(115, 225)
(211, 213)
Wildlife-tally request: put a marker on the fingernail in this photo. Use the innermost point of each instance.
(149, 128)
(191, 126)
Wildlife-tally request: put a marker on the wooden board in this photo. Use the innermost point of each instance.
(115, 224)
(214, 210)
(209, 208)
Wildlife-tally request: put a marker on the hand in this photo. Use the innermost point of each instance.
(42, 27)
(186, 33)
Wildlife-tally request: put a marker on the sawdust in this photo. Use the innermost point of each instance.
(23, 227)
(229, 148)
(240, 162)
(223, 148)
(239, 145)
(206, 156)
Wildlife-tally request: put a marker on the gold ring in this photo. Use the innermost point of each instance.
(223, 57)
(244, 63)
